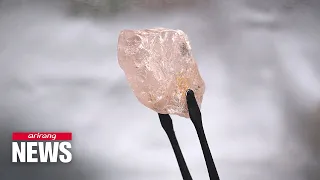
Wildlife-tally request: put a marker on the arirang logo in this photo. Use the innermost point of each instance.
(49, 136)
(41, 147)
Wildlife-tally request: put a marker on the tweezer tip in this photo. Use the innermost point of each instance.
(191, 100)
(189, 93)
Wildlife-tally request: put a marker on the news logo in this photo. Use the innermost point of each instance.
(43, 147)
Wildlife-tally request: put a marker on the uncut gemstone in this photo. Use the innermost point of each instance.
(160, 68)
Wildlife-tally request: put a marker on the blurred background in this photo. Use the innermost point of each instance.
(261, 108)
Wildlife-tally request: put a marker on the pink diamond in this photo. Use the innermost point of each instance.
(160, 68)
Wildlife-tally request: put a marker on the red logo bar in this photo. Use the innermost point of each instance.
(41, 136)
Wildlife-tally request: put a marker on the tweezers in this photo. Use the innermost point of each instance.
(195, 116)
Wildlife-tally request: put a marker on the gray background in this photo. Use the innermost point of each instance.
(261, 109)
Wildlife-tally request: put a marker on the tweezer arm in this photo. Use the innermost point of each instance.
(195, 116)
(166, 123)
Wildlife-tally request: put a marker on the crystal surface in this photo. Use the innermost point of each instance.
(160, 68)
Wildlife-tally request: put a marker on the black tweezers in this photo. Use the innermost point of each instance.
(195, 116)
